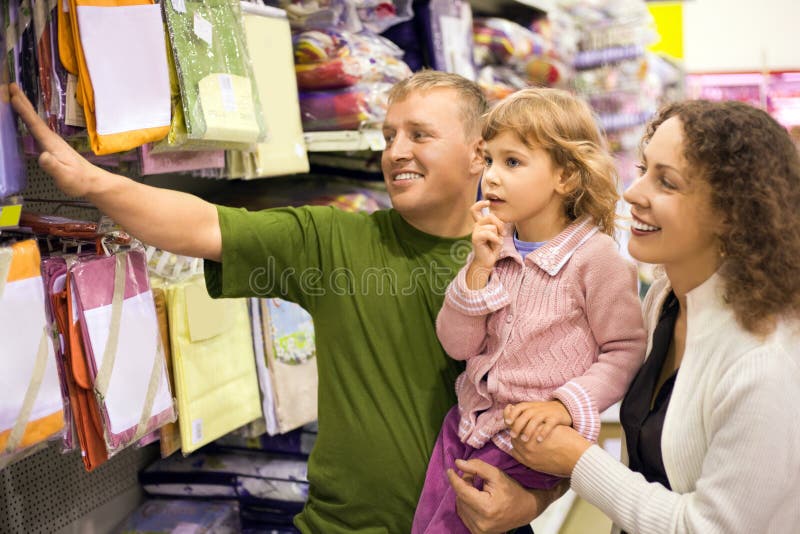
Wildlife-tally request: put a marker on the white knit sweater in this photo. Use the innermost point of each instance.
(731, 437)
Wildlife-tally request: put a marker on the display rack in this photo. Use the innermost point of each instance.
(50, 491)
(344, 141)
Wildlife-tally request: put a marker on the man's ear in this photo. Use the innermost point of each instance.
(476, 157)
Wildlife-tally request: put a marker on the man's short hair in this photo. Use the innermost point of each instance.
(473, 102)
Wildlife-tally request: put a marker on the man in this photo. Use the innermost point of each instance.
(373, 284)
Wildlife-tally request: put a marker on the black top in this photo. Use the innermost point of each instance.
(643, 425)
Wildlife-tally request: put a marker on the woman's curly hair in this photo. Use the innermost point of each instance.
(753, 168)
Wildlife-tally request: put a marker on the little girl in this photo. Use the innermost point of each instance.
(545, 312)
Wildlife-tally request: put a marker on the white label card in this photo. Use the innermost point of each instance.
(203, 28)
(187, 528)
(179, 6)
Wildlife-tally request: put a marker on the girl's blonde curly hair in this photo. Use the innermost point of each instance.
(563, 125)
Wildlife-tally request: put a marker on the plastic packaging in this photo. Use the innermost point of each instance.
(335, 59)
(269, 40)
(344, 109)
(31, 407)
(123, 346)
(12, 171)
(218, 91)
(183, 516)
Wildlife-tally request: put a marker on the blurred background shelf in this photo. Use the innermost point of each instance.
(346, 140)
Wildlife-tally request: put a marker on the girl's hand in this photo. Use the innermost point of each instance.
(487, 242)
(557, 455)
(529, 420)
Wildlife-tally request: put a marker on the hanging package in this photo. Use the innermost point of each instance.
(31, 409)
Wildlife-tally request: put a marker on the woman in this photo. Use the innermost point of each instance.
(712, 419)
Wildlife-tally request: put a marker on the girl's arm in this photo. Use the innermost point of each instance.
(461, 324)
(614, 313)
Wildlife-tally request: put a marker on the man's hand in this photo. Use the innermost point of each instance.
(170, 220)
(503, 504)
(529, 420)
(72, 173)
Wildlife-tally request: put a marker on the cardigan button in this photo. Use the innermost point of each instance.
(509, 318)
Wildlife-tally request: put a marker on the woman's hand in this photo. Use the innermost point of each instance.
(503, 504)
(556, 455)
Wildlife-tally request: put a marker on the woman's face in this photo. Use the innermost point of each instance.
(673, 222)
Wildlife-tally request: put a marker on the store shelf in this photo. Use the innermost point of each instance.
(541, 5)
(513, 8)
(51, 492)
(342, 141)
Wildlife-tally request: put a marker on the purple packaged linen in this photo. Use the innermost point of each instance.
(448, 24)
(444, 28)
(12, 168)
(406, 36)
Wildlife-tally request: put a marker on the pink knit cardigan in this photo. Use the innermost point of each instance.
(564, 324)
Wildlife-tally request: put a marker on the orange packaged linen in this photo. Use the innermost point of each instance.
(88, 421)
(126, 100)
(31, 408)
(66, 44)
(170, 434)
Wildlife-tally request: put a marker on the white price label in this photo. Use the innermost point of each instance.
(179, 6)
(226, 89)
(197, 430)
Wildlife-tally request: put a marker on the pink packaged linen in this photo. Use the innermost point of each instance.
(166, 162)
(123, 346)
(54, 276)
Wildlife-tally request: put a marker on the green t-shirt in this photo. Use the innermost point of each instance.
(374, 285)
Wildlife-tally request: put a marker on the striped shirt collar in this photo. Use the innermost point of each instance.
(553, 255)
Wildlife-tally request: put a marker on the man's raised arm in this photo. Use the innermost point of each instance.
(170, 220)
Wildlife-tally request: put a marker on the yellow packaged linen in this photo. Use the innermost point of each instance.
(123, 81)
(269, 42)
(31, 406)
(177, 140)
(213, 363)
